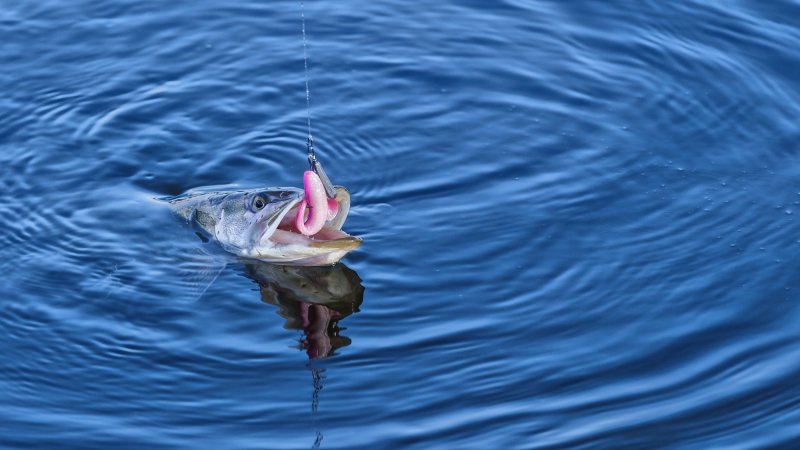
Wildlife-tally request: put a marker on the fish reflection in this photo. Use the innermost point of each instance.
(311, 299)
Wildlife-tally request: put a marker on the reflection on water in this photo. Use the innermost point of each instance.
(314, 300)
(311, 299)
(582, 223)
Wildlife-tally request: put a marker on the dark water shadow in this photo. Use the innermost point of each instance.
(314, 300)
(311, 299)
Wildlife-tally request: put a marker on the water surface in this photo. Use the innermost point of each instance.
(580, 225)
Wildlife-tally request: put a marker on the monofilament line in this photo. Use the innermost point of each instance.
(305, 65)
(315, 165)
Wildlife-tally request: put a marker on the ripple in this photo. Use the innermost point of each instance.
(579, 219)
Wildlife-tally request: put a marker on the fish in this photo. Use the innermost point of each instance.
(260, 224)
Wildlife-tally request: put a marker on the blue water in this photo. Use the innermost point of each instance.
(580, 224)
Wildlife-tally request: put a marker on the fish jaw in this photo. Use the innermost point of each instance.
(285, 244)
(286, 256)
(295, 249)
(269, 221)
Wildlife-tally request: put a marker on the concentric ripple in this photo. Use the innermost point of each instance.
(580, 225)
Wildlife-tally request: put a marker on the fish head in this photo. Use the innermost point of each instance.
(246, 218)
(259, 224)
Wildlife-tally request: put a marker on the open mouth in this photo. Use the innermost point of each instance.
(329, 237)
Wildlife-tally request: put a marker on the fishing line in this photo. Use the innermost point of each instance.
(315, 165)
(310, 141)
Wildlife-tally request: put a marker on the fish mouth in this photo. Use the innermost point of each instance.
(330, 238)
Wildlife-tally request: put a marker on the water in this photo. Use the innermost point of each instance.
(580, 223)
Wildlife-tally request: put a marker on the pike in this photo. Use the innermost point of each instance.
(261, 224)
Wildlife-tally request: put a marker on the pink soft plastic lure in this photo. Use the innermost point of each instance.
(316, 208)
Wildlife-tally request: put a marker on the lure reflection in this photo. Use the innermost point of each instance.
(311, 299)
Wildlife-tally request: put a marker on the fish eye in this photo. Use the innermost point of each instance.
(259, 202)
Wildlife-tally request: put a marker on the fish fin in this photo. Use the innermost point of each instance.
(199, 270)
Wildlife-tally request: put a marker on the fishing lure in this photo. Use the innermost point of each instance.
(316, 207)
